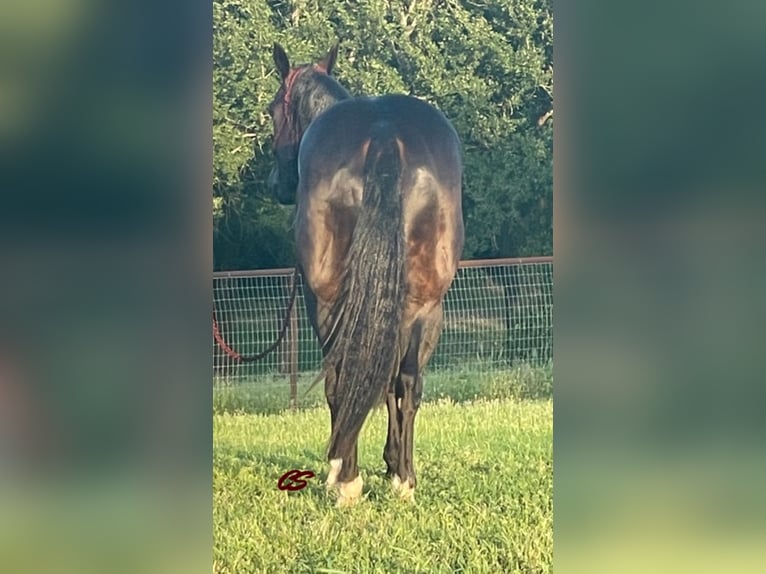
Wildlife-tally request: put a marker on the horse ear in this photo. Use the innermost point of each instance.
(281, 61)
(328, 63)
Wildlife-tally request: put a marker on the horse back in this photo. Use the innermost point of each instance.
(337, 139)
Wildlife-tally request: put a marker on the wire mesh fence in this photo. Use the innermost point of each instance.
(498, 317)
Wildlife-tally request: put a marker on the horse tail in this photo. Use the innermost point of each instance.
(364, 351)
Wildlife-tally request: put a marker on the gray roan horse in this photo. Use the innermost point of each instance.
(379, 232)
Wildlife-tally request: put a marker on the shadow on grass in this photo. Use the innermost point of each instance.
(271, 394)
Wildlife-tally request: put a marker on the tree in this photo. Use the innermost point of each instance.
(486, 64)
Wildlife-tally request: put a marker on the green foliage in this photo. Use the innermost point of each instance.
(486, 64)
(484, 501)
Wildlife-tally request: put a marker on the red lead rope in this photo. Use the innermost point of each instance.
(221, 343)
(285, 322)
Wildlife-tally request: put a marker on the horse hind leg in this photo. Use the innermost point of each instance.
(348, 489)
(393, 396)
(408, 390)
(403, 480)
(425, 335)
(343, 477)
(393, 438)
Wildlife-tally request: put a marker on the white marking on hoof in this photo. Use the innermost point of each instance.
(349, 493)
(332, 477)
(403, 489)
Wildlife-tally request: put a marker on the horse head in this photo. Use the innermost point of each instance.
(294, 106)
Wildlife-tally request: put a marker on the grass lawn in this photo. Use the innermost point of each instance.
(483, 501)
(271, 393)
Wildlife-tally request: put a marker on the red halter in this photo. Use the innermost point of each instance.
(289, 82)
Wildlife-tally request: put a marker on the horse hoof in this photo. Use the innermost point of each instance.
(404, 489)
(349, 493)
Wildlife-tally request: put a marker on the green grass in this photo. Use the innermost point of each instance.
(483, 501)
(271, 394)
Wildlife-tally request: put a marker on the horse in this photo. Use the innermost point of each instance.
(376, 182)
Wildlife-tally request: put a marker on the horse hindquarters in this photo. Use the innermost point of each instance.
(364, 351)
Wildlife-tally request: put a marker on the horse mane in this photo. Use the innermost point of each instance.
(316, 92)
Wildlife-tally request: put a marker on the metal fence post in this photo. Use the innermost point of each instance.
(294, 357)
